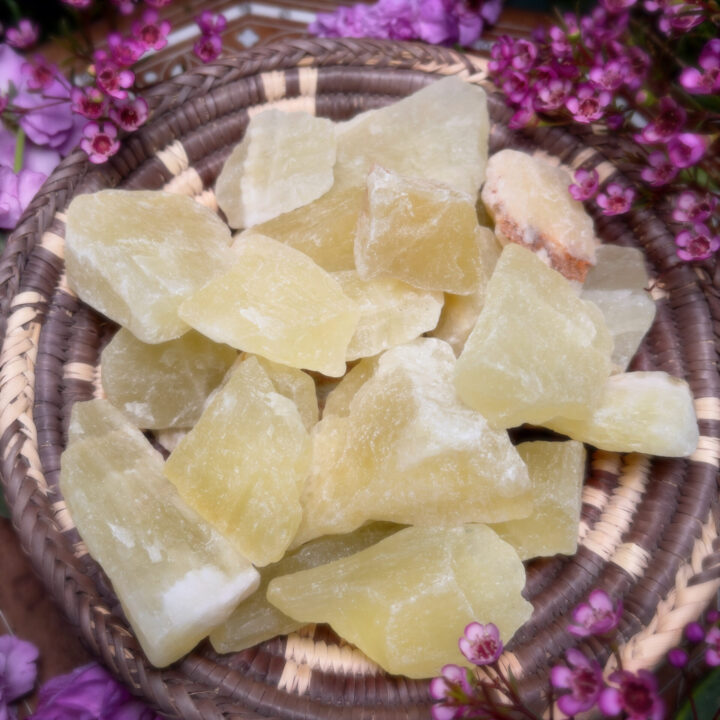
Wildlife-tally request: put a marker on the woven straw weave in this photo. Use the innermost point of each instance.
(649, 529)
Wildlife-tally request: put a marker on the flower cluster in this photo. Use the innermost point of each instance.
(434, 21)
(209, 46)
(591, 70)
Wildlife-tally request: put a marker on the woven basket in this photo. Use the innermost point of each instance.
(649, 529)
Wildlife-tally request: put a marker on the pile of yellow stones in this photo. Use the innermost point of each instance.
(404, 511)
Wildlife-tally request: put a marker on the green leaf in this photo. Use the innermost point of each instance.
(4, 509)
(705, 695)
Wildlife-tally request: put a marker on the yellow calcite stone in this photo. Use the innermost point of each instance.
(338, 399)
(284, 161)
(295, 385)
(439, 133)
(537, 350)
(163, 385)
(175, 575)
(391, 312)
(460, 312)
(616, 284)
(529, 201)
(136, 255)
(557, 470)
(405, 600)
(418, 231)
(276, 302)
(647, 412)
(243, 464)
(410, 452)
(256, 619)
(324, 229)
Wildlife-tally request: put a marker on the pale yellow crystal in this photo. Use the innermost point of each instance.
(647, 412)
(324, 230)
(338, 399)
(242, 465)
(439, 133)
(537, 350)
(256, 620)
(136, 255)
(418, 231)
(175, 576)
(164, 385)
(405, 600)
(529, 201)
(460, 312)
(276, 302)
(391, 312)
(284, 161)
(410, 452)
(556, 470)
(616, 284)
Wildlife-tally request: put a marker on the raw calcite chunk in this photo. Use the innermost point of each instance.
(439, 133)
(163, 385)
(556, 473)
(460, 312)
(406, 600)
(324, 230)
(531, 205)
(391, 312)
(410, 452)
(175, 575)
(256, 619)
(339, 398)
(242, 465)
(537, 350)
(284, 161)
(276, 302)
(419, 231)
(617, 286)
(136, 255)
(647, 412)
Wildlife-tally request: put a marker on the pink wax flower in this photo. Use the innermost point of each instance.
(124, 51)
(39, 74)
(637, 695)
(129, 114)
(481, 644)
(208, 47)
(707, 81)
(677, 657)
(501, 54)
(515, 86)
(693, 208)
(697, 244)
(599, 615)
(617, 6)
(125, 7)
(525, 54)
(589, 104)
(113, 80)
(693, 631)
(586, 184)
(23, 36)
(712, 654)
(609, 76)
(100, 142)
(18, 670)
(551, 95)
(79, 4)
(524, 115)
(660, 170)
(90, 102)
(151, 33)
(616, 200)
(584, 679)
(211, 24)
(687, 149)
(453, 681)
(668, 123)
(559, 42)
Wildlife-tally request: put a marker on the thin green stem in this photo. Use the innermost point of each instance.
(19, 150)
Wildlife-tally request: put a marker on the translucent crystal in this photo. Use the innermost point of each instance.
(243, 464)
(284, 161)
(276, 302)
(460, 312)
(339, 398)
(419, 231)
(531, 205)
(175, 576)
(438, 133)
(163, 385)
(405, 600)
(557, 470)
(647, 412)
(324, 229)
(617, 286)
(256, 620)
(537, 350)
(391, 312)
(136, 255)
(410, 452)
